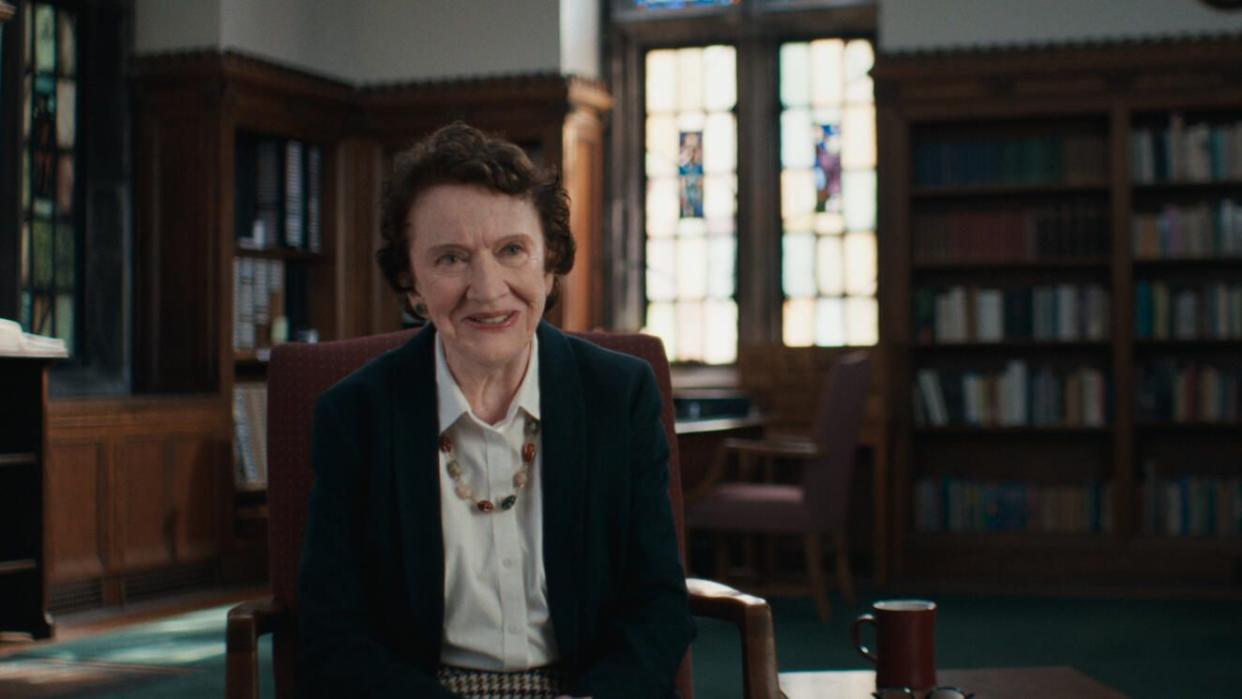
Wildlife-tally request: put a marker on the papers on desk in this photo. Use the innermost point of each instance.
(14, 342)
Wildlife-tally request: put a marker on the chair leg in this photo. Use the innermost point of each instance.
(845, 579)
(815, 571)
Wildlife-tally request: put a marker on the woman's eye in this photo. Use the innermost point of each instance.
(449, 259)
(513, 249)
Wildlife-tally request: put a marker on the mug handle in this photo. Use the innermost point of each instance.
(856, 634)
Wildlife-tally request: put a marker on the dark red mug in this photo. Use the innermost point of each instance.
(905, 648)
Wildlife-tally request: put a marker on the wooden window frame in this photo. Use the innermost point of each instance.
(756, 30)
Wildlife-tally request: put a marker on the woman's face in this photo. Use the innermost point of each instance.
(478, 263)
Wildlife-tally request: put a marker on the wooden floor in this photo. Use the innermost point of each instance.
(96, 621)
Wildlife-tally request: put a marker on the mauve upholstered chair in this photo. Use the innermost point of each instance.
(818, 504)
(297, 374)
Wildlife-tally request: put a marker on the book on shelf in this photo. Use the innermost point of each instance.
(250, 432)
(1202, 311)
(278, 194)
(1047, 158)
(258, 303)
(1196, 231)
(963, 505)
(295, 192)
(1182, 391)
(1016, 396)
(1190, 504)
(1074, 230)
(1200, 151)
(1063, 312)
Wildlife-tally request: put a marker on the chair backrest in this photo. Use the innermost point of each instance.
(837, 425)
(297, 374)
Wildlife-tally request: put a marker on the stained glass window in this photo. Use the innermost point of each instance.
(679, 4)
(828, 193)
(50, 238)
(691, 174)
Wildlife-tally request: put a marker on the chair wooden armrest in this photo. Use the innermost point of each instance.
(753, 617)
(246, 623)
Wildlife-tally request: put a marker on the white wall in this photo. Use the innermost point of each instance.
(580, 37)
(376, 41)
(907, 25)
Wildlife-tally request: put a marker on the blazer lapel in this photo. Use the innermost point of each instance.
(416, 469)
(563, 479)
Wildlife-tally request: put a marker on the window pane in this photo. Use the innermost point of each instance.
(27, 310)
(828, 188)
(64, 318)
(68, 45)
(721, 263)
(662, 322)
(795, 75)
(799, 317)
(661, 270)
(677, 4)
(691, 270)
(827, 72)
(830, 322)
(65, 271)
(662, 145)
(690, 330)
(42, 253)
(41, 314)
(859, 58)
(661, 81)
(721, 345)
(720, 143)
(858, 188)
(45, 38)
(829, 266)
(690, 79)
(24, 260)
(720, 78)
(64, 184)
(860, 264)
(662, 207)
(798, 263)
(862, 315)
(691, 170)
(858, 136)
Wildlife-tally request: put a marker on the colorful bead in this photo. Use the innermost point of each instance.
(464, 491)
(454, 469)
(528, 453)
(485, 506)
(519, 479)
(508, 502)
(446, 443)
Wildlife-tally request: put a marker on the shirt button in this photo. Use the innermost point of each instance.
(508, 563)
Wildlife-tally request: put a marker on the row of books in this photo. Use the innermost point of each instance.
(259, 315)
(1193, 506)
(250, 433)
(1179, 391)
(1050, 158)
(1072, 230)
(1200, 230)
(1182, 152)
(1064, 312)
(1016, 396)
(1187, 312)
(278, 194)
(959, 505)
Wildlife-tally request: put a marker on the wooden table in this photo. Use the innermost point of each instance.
(989, 683)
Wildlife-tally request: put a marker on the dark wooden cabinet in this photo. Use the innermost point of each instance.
(1050, 436)
(23, 446)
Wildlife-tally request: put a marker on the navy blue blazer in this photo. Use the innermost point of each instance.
(371, 584)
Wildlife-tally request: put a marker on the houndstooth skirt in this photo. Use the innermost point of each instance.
(538, 683)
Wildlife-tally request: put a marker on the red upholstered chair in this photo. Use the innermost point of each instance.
(818, 504)
(297, 374)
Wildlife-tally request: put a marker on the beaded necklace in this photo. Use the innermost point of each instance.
(520, 478)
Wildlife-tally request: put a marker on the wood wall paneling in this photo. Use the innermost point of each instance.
(142, 515)
(77, 493)
(195, 498)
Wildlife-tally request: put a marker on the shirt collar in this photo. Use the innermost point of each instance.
(452, 403)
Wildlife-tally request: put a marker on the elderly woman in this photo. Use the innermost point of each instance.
(490, 515)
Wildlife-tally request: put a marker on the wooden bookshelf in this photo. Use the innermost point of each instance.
(1004, 171)
(23, 446)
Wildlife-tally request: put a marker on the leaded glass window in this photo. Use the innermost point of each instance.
(691, 202)
(50, 239)
(828, 193)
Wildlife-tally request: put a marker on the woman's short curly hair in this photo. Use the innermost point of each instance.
(461, 154)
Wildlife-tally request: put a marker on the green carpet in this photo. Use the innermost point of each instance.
(1145, 648)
